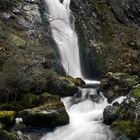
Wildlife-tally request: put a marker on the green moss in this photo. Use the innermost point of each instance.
(17, 40)
(126, 127)
(132, 81)
(47, 98)
(136, 92)
(25, 101)
(4, 135)
(7, 117)
(31, 100)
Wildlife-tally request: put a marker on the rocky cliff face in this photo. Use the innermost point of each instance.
(109, 31)
(27, 53)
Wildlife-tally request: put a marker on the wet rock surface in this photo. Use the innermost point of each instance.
(118, 84)
(50, 113)
(124, 118)
(109, 35)
(4, 135)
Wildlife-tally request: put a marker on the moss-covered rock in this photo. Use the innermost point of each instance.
(4, 135)
(124, 118)
(77, 81)
(63, 86)
(7, 118)
(136, 92)
(118, 84)
(46, 98)
(50, 112)
(127, 127)
(26, 100)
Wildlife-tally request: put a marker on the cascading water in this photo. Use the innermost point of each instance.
(85, 110)
(64, 35)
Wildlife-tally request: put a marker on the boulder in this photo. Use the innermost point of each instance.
(7, 118)
(4, 135)
(127, 127)
(110, 114)
(50, 113)
(136, 92)
(80, 82)
(117, 84)
(62, 86)
(124, 118)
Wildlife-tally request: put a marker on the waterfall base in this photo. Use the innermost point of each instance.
(86, 112)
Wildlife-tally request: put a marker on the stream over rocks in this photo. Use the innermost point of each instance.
(85, 109)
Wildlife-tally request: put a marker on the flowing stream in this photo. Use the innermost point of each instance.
(86, 109)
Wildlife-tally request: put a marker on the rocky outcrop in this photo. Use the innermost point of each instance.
(114, 85)
(125, 117)
(109, 35)
(50, 112)
(4, 135)
(63, 86)
(110, 114)
(7, 118)
(28, 57)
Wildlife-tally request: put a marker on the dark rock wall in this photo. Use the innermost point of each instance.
(109, 32)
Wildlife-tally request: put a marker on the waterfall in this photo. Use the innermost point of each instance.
(86, 110)
(62, 25)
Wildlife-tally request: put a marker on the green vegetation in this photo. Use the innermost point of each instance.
(7, 118)
(126, 127)
(4, 135)
(7, 115)
(136, 92)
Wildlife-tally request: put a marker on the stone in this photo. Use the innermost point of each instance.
(50, 113)
(62, 86)
(7, 117)
(110, 114)
(4, 135)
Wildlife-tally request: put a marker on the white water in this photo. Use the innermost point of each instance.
(65, 36)
(86, 115)
(85, 120)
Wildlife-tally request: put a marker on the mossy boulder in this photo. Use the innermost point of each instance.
(77, 81)
(50, 113)
(29, 100)
(136, 92)
(110, 114)
(4, 135)
(7, 117)
(118, 84)
(46, 98)
(62, 86)
(26, 100)
(124, 118)
(127, 127)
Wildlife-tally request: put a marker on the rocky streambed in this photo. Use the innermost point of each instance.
(33, 80)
